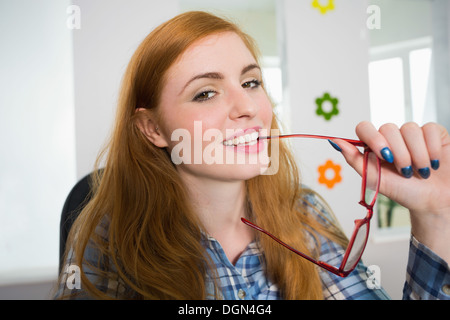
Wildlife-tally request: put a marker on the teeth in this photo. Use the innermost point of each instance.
(249, 139)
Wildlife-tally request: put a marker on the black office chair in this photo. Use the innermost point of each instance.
(77, 199)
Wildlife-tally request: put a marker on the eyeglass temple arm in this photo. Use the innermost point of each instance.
(356, 143)
(319, 263)
(254, 226)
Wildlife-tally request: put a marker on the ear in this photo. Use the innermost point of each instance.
(149, 127)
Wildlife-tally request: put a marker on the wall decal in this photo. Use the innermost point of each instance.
(322, 102)
(323, 8)
(324, 176)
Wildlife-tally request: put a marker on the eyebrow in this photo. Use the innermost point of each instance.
(250, 67)
(218, 75)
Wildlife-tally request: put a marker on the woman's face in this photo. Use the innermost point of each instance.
(213, 108)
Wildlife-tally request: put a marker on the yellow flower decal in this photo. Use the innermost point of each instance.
(336, 178)
(323, 8)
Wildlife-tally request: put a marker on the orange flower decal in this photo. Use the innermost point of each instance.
(324, 178)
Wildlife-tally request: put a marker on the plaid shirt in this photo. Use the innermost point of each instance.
(427, 275)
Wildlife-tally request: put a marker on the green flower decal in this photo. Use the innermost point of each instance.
(323, 8)
(332, 109)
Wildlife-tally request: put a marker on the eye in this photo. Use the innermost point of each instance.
(251, 84)
(204, 96)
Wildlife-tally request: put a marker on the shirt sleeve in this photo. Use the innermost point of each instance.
(427, 275)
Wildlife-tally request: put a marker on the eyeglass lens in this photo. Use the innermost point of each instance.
(372, 176)
(358, 247)
(360, 238)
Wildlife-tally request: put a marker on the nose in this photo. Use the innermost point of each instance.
(242, 105)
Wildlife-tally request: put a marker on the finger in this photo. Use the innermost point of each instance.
(351, 154)
(374, 140)
(402, 161)
(432, 134)
(415, 141)
(356, 160)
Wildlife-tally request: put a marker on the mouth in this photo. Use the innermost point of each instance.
(245, 139)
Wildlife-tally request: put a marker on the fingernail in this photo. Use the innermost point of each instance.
(435, 164)
(334, 145)
(387, 155)
(407, 172)
(424, 172)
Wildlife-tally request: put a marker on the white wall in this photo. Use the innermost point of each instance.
(58, 95)
(327, 53)
(37, 157)
(109, 34)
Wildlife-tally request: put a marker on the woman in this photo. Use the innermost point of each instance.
(165, 220)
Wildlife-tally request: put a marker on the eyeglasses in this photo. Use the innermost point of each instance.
(371, 176)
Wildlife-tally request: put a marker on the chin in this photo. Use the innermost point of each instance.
(244, 172)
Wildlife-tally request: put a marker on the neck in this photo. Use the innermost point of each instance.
(220, 206)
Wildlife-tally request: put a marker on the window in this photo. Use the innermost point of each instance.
(401, 90)
(400, 83)
(421, 86)
(387, 91)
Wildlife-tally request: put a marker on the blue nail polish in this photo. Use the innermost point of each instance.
(424, 172)
(435, 164)
(387, 155)
(407, 172)
(334, 145)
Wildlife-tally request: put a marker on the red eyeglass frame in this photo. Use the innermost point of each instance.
(358, 223)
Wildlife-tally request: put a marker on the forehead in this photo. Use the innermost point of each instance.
(217, 52)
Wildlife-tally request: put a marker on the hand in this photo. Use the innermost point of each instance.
(415, 173)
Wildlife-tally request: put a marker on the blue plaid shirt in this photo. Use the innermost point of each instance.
(427, 275)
